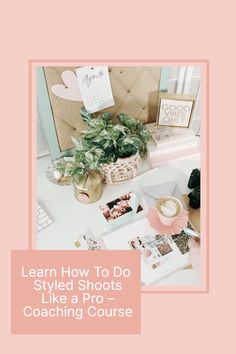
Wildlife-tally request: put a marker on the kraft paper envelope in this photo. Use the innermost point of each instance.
(194, 215)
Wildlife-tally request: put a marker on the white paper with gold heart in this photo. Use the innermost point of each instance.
(70, 90)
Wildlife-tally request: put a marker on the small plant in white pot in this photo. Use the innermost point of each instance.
(119, 145)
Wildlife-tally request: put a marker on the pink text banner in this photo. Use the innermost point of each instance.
(69, 292)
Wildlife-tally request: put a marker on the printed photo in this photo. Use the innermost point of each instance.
(164, 248)
(88, 242)
(120, 206)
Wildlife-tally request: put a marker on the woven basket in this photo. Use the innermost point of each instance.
(121, 170)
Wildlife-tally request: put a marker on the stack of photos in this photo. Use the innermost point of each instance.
(152, 248)
(160, 254)
(121, 207)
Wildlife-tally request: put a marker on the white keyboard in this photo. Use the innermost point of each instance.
(43, 220)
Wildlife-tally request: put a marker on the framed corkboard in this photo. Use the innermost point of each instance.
(135, 90)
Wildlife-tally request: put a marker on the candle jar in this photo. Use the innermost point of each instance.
(88, 187)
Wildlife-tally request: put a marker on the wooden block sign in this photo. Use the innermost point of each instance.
(175, 110)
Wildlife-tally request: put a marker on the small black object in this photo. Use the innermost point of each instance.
(194, 179)
(194, 198)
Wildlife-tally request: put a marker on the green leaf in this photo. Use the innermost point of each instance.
(106, 115)
(89, 134)
(85, 115)
(119, 128)
(79, 143)
(126, 120)
(77, 171)
(88, 156)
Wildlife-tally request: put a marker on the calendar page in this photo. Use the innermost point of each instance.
(95, 87)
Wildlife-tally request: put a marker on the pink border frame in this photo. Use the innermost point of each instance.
(204, 64)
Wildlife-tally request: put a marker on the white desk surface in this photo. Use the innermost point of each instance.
(71, 218)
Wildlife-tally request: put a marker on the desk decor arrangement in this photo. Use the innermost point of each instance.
(106, 151)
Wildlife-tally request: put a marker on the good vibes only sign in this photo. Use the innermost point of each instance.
(175, 110)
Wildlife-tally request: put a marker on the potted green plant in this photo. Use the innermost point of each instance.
(115, 147)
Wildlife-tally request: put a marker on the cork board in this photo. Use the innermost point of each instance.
(135, 91)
